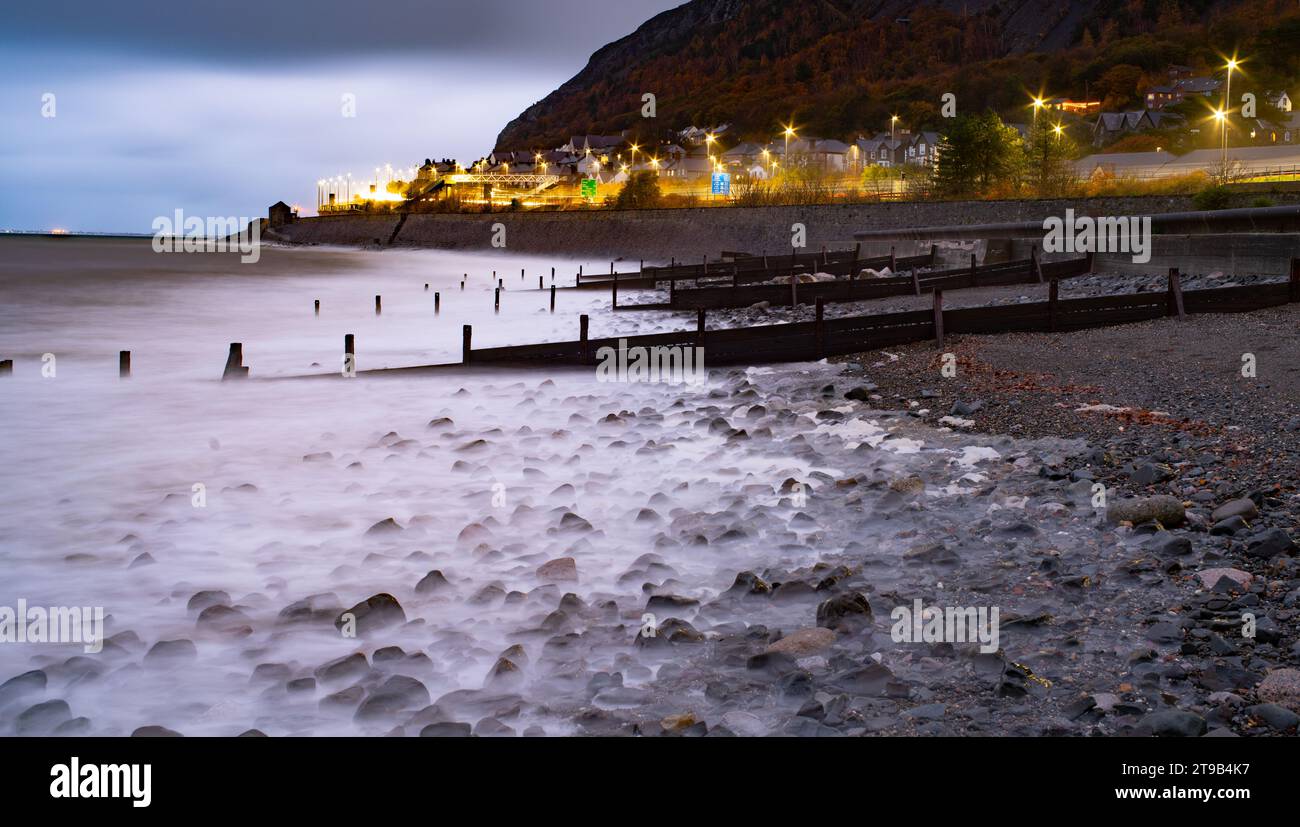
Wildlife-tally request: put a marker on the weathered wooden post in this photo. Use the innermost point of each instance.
(540, 282)
(501, 284)
(552, 298)
(614, 292)
(974, 272)
(235, 363)
(426, 285)
(672, 291)
(552, 274)
(916, 282)
(1053, 295)
(349, 355)
(704, 268)
(893, 258)
(1295, 280)
(124, 364)
(466, 337)
(6, 367)
(462, 285)
(521, 274)
(735, 275)
(853, 265)
(437, 302)
(765, 259)
(579, 272)
(496, 300)
(1174, 302)
(318, 307)
(819, 326)
(379, 307)
(1036, 262)
(934, 255)
(699, 327)
(582, 336)
(794, 289)
(938, 317)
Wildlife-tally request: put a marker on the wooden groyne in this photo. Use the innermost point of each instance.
(1027, 271)
(739, 268)
(817, 339)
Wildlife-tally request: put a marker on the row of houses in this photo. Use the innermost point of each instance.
(695, 155)
(1111, 126)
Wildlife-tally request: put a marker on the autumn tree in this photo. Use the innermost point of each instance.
(640, 192)
(1049, 172)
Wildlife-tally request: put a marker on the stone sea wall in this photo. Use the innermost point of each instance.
(688, 234)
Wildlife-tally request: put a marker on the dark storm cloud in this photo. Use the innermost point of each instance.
(562, 32)
(221, 108)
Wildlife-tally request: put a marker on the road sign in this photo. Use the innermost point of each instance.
(722, 183)
(588, 187)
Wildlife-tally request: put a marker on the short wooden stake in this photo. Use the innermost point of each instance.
(552, 298)
(938, 317)
(820, 328)
(318, 307)
(437, 302)
(466, 336)
(1037, 263)
(893, 258)
(614, 291)
(496, 299)
(1175, 302)
(379, 306)
(916, 282)
(124, 364)
(699, 327)
(6, 367)
(235, 363)
(582, 335)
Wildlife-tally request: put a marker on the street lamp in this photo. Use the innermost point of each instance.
(1038, 104)
(789, 133)
(1227, 102)
(634, 149)
(1059, 130)
(893, 120)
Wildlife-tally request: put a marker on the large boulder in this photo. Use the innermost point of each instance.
(376, 612)
(1166, 510)
(844, 612)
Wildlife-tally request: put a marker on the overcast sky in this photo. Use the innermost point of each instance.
(220, 109)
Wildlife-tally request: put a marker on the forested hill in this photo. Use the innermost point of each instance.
(838, 67)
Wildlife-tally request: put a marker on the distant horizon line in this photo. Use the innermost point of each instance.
(74, 233)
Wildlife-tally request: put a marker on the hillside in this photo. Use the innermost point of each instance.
(837, 67)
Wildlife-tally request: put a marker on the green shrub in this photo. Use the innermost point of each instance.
(1213, 197)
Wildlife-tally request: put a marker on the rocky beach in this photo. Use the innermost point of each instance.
(517, 553)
